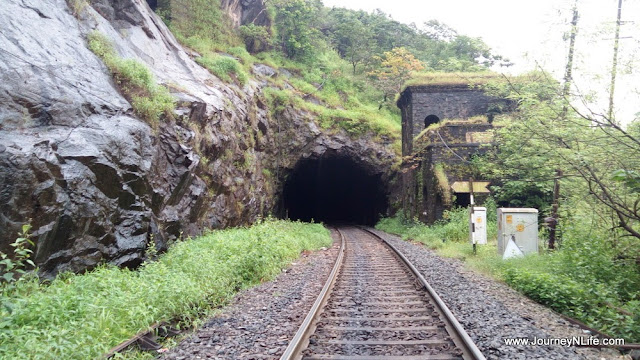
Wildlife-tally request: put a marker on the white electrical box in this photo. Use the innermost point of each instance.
(519, 226)
(478, 225)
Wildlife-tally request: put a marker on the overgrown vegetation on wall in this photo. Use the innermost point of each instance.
(83, 316)
(149, 100)
(583, 279)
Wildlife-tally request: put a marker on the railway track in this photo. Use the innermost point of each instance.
(375, 305)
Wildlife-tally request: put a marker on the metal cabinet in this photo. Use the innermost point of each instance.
(519, 225)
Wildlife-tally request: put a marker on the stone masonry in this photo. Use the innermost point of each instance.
(440, 156)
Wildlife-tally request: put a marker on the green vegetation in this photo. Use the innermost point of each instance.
(359, 120)
(202, 26)
(224, 67)
(593, 156)
(83, 316)
(77, 6)
(594, 272)
(343, 66)
(583, 280)
(256, 38)
(198, 21)
(149, 100)
(452, 78)
(13, 267)
(297, 23)
(443, 183)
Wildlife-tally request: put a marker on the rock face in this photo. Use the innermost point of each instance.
(242, 12)
(96, 182)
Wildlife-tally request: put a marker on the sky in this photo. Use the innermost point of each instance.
(530, 34)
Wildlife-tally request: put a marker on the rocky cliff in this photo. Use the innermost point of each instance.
(96, 182)
(243, 12)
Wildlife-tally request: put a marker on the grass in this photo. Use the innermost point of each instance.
(451, 78)
(83, 316)
(356, 121)
(583, 279)
(224, 67)
(443, 183)
(201, 21)
(149, 100)
(77, 6)
(325, 88)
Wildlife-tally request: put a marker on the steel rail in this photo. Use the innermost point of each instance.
(457, 332)
(301, 339)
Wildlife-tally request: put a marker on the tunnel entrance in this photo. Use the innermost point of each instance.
(334, 189)
(430, 120)
(153, 4)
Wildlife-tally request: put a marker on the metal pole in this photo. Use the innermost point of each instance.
(473, 224)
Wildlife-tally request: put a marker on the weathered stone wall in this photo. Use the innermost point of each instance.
(95, 181)
(433, 202)
(450, 146)
(455, 133)
(450, 103)
(446, 102)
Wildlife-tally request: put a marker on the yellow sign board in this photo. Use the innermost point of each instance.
(520, 227)
(509, 219)
(463, 186)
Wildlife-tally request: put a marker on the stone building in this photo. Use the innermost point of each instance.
(443, 126)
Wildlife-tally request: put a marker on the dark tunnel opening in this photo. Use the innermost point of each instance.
(430, 120)
(334, 189)
(153, 4)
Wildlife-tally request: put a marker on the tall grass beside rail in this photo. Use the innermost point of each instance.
(83, 316)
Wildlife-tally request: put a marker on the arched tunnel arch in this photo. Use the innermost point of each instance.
(334, 189)
(430, 120)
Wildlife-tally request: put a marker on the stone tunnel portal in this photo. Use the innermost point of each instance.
(334, 189)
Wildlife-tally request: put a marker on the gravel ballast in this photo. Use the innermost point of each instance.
(491, 311)
(261, 320)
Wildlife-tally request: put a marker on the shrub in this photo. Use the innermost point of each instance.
(594, 304)
(11, 268)
(77, 6)
(256, 38)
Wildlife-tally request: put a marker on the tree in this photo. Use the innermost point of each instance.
(454, 52)
(296, 25)
(614, 67)
(358, 35)
(396, 67)
(352, 39)
(600, 163)
(439, 31)
(256, 38)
